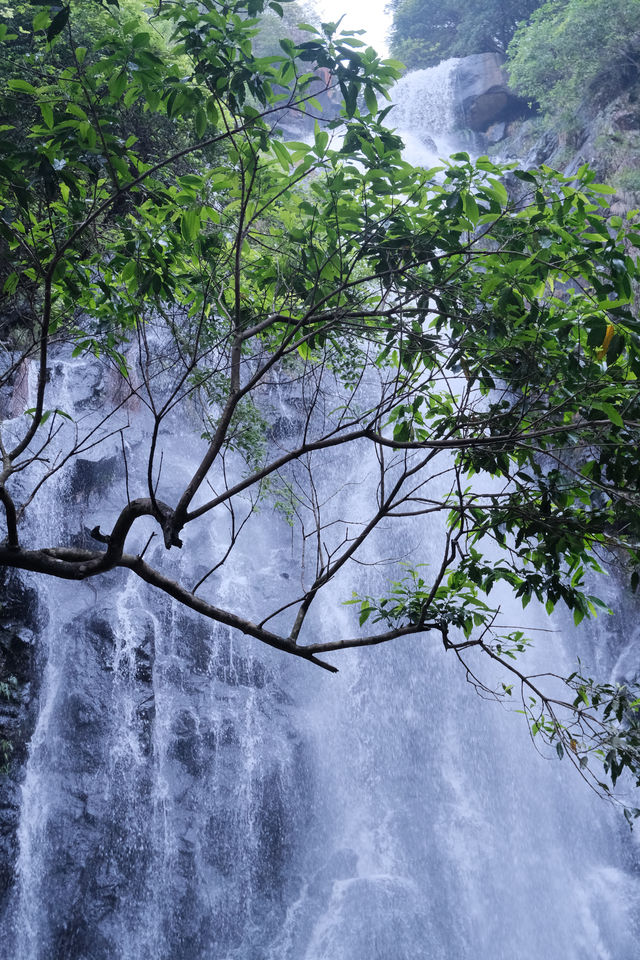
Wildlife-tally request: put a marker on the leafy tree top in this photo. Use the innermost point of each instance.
(576, 53)
(424, 32)
(425, 319)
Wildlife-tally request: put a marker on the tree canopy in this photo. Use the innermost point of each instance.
(576, 53)
(425, 32)
(154, 215)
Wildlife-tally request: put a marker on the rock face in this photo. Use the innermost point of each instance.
(17, 711)
(607, 139)
(157, 813)
(483, 94)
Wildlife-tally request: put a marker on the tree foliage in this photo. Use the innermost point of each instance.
(275, 25)
(576, 52)
(425, 320)
(425, 32)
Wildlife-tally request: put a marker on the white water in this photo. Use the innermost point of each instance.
(424, 112)
(190, 795)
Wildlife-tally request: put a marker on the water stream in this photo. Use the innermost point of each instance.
(192, 795)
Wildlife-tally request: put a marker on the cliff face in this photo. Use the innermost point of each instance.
(607, 139)
(605, 133)
(18, 683)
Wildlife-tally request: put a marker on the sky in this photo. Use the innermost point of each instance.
(360, 14)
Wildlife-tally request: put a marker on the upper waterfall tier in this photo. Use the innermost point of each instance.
(425, 106)
(463, 102)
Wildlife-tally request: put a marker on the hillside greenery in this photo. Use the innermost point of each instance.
(576, 54)
(424, 32)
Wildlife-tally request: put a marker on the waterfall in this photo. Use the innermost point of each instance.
(425, 112)
(192, 795)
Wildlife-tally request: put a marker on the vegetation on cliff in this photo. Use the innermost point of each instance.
(576, 54)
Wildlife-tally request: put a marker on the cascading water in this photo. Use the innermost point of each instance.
(424, 111)
(424, 103)
(191, 795)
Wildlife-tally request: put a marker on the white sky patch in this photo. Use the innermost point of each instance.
(366, 15)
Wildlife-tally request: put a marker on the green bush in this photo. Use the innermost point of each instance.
(425, 32)
(576, 52)
(628, 181)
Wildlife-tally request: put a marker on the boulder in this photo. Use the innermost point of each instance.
(483, 94)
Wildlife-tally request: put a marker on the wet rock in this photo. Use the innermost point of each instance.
(496, 132)
(18, 676)
(98, 631)
(86, 382)
(93, 476)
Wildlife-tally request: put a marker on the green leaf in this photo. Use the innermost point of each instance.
(58, 23)
(601, 188)
(140, 40)
(11, 283)
(200, 122)
(21, 86)
(190, 225)
(524, 175)
(499, 191)
(118, 84)
(282, 154)
(212, 112)
(365, 613)
(76, 111)
(471, 208)
(370, 100)
(191, 181)
(47, 113)
(129, 270)
(288, 46)
(321, 140)
(41, 20)
(610, 411)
